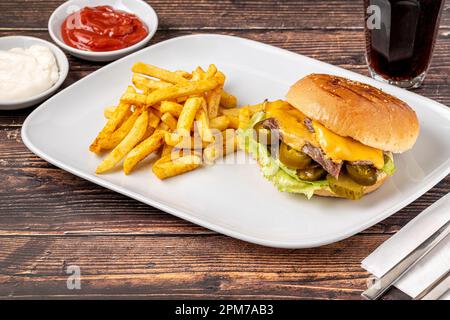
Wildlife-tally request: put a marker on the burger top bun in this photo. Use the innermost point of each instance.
(356, 110)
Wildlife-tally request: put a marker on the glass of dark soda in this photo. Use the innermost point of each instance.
(400, 36)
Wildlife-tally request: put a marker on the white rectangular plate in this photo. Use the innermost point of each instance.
(235, 199)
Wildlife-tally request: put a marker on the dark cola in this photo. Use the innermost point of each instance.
(400, 44)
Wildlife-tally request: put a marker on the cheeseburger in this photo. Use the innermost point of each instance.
(332, 137)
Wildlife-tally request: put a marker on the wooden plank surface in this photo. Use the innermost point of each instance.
(176, 266)
(216, 15)
(50, 219)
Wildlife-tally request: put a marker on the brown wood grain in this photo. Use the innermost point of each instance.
(158, 266)
(215, 15)
(50, 219)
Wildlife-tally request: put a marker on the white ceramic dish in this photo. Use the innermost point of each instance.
(235, 199)
(138, 7)
(10, 42)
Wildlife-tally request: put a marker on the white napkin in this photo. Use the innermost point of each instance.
(435, 264)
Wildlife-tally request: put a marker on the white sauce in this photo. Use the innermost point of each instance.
(26, 72)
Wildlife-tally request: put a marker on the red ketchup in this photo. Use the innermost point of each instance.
(102, 28)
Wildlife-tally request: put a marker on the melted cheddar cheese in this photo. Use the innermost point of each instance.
(290, 124)
(337, 148)
(348, 149)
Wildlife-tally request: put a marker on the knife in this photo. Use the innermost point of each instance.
(393, 275)
(437, 289)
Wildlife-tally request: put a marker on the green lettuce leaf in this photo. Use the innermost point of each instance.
(389, 167)
(284, 178)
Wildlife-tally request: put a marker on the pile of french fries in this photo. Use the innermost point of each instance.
(186, 119)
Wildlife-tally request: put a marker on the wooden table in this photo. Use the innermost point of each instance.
(50, 219)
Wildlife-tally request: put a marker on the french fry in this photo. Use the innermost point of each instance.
(244, 117)
(126, 145)
(120, 133)
(156, 72)
(220, 77)
(203, 125)
(173, 139)
(181, 100)
(213, 96)
(213, 99)
(173, 92)
(232, 112)
(228, 100)
(234, 122)
(163, 126)
(153, 122)
(117, 117)
(211, 72)
(128, 113)
(170, 120)
(144, 83)
(235, 111)
(109, 111)
(187, 115)
(165, 167)
(172, 107)
(148, 133)
(198, 74)
(142, 150)
(184, 74)
(153, 119)
(225, 99)
(166, 150)
(139, 82)
(220, 123)
(226, 144)
(136, 98)
(181, 141)
(120, 113)
(214, 152)
(155, 110)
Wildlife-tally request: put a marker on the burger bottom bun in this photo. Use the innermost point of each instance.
(381, 179)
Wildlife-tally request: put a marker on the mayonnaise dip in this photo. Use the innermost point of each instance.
(26, 72)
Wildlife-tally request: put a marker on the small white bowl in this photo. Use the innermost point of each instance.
(138, 7)
(7, 43)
